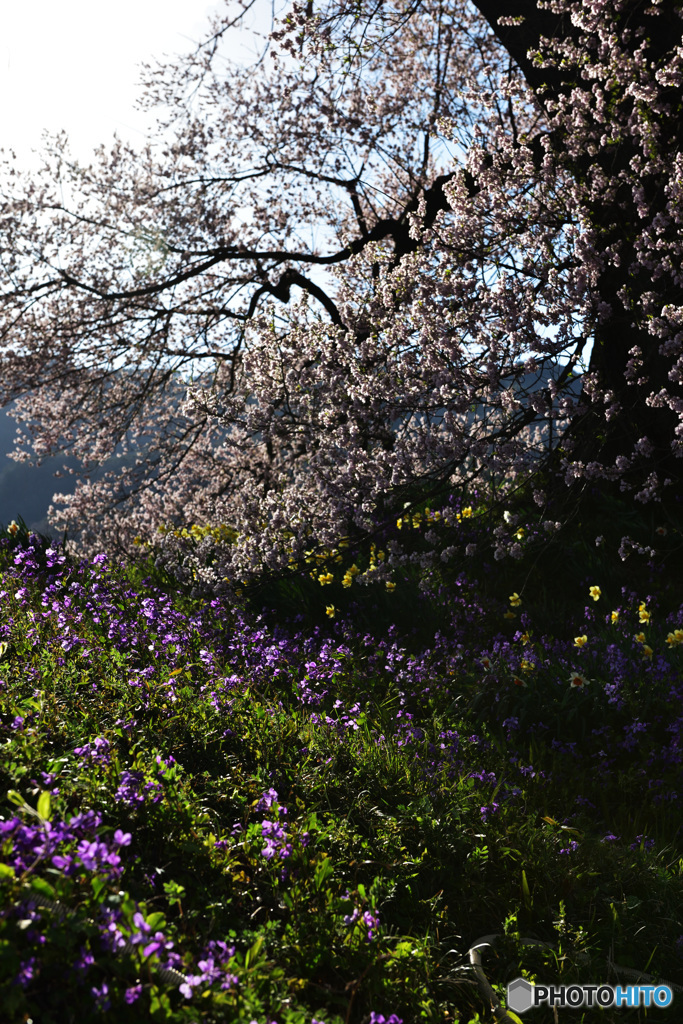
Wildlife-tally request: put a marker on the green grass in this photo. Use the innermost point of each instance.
(438, 845)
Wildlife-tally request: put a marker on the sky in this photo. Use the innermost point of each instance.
(73, 65)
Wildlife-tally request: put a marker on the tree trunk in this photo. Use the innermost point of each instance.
(618, 221)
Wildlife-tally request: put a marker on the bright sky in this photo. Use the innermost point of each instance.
(73, 64)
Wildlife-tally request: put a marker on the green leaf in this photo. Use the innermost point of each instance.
(404, 948)
(323, 872)
(252, 954)
(513, 1017)
(159, 1004)
(174, 891)
(15, 798)
(99, 884)
(156, 921)
(44, 888)
(6, 871)
(44, 805)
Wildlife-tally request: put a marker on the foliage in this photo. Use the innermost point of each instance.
(209, 814)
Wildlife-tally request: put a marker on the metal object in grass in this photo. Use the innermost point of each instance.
(522, 991)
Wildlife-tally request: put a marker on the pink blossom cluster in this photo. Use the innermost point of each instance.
(284, 338)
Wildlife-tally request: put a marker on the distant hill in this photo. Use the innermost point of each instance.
(27, 490)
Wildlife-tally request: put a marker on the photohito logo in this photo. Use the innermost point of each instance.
(523, 996)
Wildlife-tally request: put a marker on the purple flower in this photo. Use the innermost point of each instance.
(26, 972)
(101, 996)
(158, 944)
(132, 994)
(63, 863)
(143, 929)
(487, 810)
(190, 982)
(573, 845)
(267, 800)
(371, 922)
(275, 836)
(96, 751)
(643, 841)
(133, 789)
(85, 961)
(88, 854)
(114, 937)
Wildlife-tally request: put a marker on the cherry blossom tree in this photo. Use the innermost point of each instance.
(320, 296)
(608, 76)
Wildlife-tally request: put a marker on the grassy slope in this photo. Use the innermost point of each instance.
(346, 805)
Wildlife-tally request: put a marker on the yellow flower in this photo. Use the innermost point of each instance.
(509, 615)
(526, 638)
(520, 533)
(643, 613)
(324, 578)
(352, 571)
(675, 638)
(647, 651)
(390, 586)
(595, 593)
(640, 638)
(580, 641)
(515, 600)
(615, 617)
(331, 611)
(526, 666)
